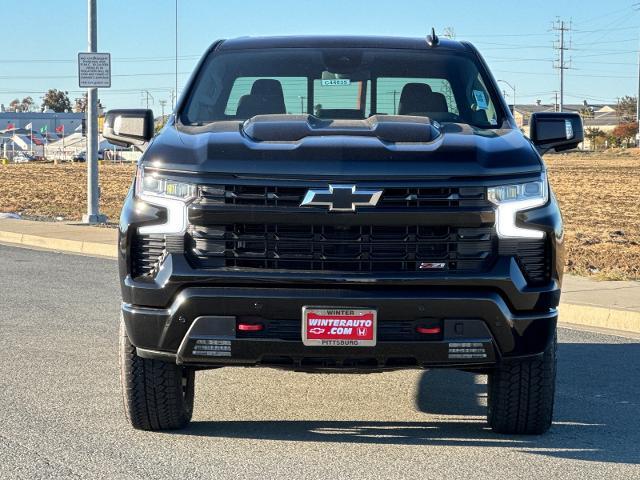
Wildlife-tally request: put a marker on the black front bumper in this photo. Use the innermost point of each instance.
(478, 328)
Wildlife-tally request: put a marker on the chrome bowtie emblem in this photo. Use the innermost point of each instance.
(342, 198)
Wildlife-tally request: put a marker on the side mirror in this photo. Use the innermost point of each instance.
(129, 127)
(558, 131)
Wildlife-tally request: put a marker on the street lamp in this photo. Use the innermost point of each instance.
(514, 94)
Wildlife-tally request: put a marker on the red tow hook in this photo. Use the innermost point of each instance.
(428, 330)
(250, 327)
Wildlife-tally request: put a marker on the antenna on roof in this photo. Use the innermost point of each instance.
(433, 40)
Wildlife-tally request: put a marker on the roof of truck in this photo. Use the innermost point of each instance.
(339, 41)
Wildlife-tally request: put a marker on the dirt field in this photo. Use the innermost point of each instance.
(599, 194)
(600, 198)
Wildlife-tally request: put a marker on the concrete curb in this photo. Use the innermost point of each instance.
(573, 314)
(62, 245)
(599, 317)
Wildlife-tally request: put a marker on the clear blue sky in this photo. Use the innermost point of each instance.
(41, 40)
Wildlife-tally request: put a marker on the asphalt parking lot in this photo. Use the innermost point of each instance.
(61, 413)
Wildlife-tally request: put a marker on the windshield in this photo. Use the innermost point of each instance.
(341, 83)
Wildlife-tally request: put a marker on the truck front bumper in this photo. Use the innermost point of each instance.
(477, 328)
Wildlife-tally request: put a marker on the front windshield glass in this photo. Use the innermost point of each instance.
(344, 83)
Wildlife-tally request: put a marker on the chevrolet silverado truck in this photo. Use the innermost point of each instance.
(341, 204)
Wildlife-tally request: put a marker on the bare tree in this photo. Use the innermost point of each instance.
(27, 104)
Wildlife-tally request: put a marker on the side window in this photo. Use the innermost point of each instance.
(390, 89)
(294, 90)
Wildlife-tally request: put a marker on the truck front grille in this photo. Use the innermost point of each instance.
(393, 197)
(352, 248)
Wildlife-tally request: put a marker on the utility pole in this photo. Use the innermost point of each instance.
(147, 94)
(176, 48)
(561, 45)
(173, 99)
(638, 103)
(93, 192)
(513, 87)
(636, 7)
(394, 102)
(162, 105)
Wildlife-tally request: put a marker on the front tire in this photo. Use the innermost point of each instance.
(521, 394)
(157, 395)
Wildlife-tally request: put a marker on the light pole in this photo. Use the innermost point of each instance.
(93, 193)
(514, 95)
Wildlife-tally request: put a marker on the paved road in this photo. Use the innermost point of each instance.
(61, 413)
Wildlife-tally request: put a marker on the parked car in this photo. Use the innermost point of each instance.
(82, 156)
(23, 157)
(341, 204)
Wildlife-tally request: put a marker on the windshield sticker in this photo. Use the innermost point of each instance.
(481, 100)
(336, 82)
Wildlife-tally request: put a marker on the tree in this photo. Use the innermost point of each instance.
(593, 134)
(27, 104)
(626, 109)
(15, 105)
(80, 104)
(625, 132)
(56, 100)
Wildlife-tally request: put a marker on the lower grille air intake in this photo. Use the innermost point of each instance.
(349, 248)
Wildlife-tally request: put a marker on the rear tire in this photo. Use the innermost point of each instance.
(521, 394)
(157, 395)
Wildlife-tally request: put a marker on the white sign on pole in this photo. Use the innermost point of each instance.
(94, 70)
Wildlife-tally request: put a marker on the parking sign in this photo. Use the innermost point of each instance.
(94, 70)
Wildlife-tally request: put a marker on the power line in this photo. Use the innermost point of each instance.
(50, 77)
(114, 60)
(601, 16)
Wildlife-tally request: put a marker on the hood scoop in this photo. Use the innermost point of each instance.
(387, 128)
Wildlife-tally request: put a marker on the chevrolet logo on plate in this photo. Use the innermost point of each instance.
(341, 198)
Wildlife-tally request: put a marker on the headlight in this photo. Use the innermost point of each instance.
(159, 186)
(511, 199)
(164, 192)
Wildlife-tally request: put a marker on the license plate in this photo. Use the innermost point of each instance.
(338, 327)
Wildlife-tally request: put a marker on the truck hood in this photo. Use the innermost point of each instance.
(454, 150)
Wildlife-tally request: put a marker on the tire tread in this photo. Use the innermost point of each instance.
(521, 394)
(152, 390)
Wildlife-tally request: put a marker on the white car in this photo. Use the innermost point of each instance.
(22, 158)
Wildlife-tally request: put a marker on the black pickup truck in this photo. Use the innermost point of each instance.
(341, 204)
